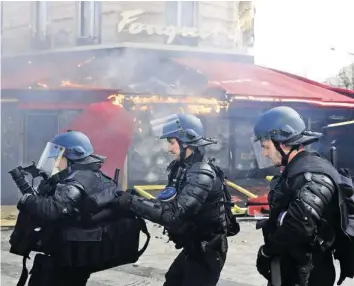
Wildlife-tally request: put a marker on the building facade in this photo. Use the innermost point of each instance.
(39, 30)
(31, 26)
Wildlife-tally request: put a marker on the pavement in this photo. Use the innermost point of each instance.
(239, 269)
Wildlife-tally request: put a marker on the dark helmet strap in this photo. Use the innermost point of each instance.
(284, 157)
(182, 149)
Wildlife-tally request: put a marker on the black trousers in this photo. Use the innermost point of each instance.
(322, 274)
(201, 270)
(45, 273)
(61, 277)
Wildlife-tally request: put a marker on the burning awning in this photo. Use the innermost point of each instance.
(246, 81)
(139, 73)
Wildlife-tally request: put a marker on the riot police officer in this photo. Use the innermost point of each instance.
(299, 233)
(193, 206)
(76, 238)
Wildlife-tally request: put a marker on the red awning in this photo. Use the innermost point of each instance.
(341, 90)
(248, 81)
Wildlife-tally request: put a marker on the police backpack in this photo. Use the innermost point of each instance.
(233, 227)
(114, 233)
(344, 244)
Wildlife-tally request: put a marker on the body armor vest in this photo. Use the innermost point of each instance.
(211, 219)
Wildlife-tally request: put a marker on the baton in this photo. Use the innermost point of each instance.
(333, 156)
(275, 271)
(116, 176)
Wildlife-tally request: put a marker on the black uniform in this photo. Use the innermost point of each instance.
(195, 221)
(74, 243)
(300, 228)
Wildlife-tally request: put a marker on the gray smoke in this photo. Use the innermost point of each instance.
(130, 72)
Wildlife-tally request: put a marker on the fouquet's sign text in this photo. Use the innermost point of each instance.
(129, 22)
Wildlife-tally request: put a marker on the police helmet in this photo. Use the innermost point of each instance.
(284, 125)
(186, 128)
(77, 145)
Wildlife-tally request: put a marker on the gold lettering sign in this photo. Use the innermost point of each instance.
(129, 23)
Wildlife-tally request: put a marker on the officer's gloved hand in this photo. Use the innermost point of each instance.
(124, 199)
(22, 202)
(132, 192)
(263, 264)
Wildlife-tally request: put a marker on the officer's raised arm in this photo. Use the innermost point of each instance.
(63, 204)
(173, 214)
(59, 162)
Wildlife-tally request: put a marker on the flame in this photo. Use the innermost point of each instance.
(42, 85)
(67, 83)
(117, 99)
(196, 105)
(89, 60)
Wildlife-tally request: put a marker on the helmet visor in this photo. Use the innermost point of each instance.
(166, 127)
(263, 162)
(50, 159)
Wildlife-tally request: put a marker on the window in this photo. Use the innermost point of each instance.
(1, 23)
(1, 15)
(182, 14)
(41, 19)
(89, 19)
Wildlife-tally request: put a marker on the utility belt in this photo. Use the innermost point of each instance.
(194, 248)
(218, 242)
(324, 238)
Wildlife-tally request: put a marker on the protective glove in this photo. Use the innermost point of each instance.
(124, 199)
(132, 192)
(22, 202)
(263, 264)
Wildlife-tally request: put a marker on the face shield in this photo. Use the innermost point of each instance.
(263, 162)
(166, 127)
(50, 159)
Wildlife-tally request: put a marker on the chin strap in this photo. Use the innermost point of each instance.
(284, 157)
(182, 154)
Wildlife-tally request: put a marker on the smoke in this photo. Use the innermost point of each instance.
(130, 72)
(146, 73)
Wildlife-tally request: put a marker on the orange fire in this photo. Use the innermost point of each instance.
(195, 105)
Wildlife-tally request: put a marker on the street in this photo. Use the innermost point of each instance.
(239, 269)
